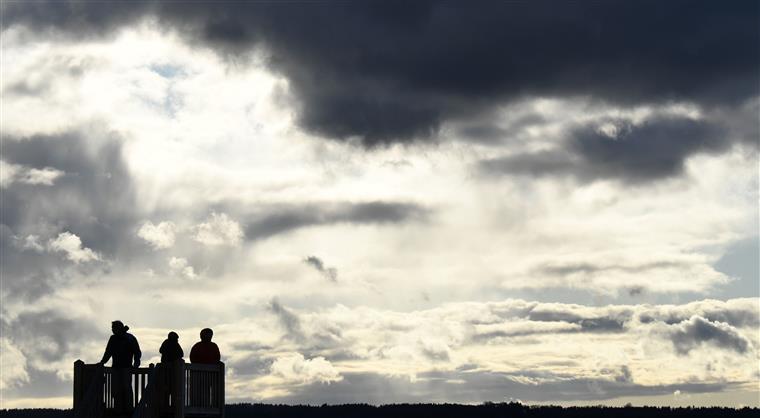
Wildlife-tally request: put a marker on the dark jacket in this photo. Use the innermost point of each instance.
(205, 352)
(124, 350)
(170, 351)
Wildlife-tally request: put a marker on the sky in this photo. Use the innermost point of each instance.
(386, 202)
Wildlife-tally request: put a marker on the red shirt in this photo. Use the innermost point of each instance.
(205, 352)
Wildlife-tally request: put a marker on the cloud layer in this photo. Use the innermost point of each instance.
(463, 352)
(397, 72)
(413, 202)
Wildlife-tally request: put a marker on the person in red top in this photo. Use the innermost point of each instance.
(204, 351)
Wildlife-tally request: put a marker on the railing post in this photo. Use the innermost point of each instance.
(78, 385)
(135, 380)
(221, 389)
(153, 391)
(178, 392)
(100, 405)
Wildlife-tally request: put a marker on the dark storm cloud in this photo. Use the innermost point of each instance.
(499, 126)
(609, 319)
(636, 291)
(550, 318)
(590, 268)
(330, 273)
(284, 219)
(637, 154)
(697, 331)
(495, 335)
(563, 270)
(481, 386)
(393, 71)
(332, 346)
(710, 322)
(288, 319)
(44, 337)
(625, 375)
(49, 335)
(28, 288)
(93, 199)
(598, 324)
(318, 340)
(253, 365)
(42, 384)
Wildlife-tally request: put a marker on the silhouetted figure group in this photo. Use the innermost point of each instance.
(124, 351)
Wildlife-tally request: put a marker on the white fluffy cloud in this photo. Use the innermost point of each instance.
(179, 266)
(294, 367)
(71, 246)
(159, 236)
(218, 229)
(31, 242)
(13, 364)
(16, 173)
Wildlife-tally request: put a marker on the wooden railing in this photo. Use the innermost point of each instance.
(147, 405)
(196, 389)
(204, 389)
(88, 389)
(138, 381)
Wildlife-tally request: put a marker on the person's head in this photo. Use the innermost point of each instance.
(118, 327)
(173, 336)
(206, 334)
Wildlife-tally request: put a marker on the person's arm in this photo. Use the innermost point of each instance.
(181, 353)
(217, 354)
(137, 351)
(108, 352)
(194, 354)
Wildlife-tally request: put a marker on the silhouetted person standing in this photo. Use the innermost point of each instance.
(205, 351)
(170, 351)
(125, 353)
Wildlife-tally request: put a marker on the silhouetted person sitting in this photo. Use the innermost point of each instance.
(125, 353)
(205, 351)
(170, 349)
